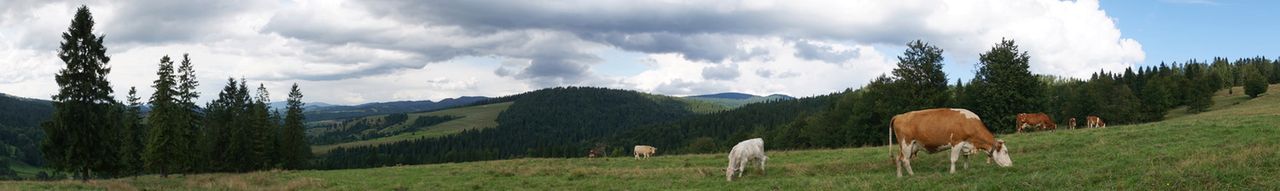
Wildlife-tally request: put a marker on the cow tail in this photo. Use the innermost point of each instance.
(891, 157)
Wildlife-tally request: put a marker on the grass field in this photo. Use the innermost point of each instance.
(1234, 147)
(474, 117)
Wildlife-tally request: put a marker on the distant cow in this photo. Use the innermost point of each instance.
(741, 154)
(1095, 122)
(940, 129)
(644, 150)
(1072, 122)
(598, 151)
(1038, 119)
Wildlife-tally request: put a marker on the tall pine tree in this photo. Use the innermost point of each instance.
(294, 148)
(187, 95)
(166, 142)
(79, 136)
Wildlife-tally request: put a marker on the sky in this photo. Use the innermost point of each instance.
(351, 52)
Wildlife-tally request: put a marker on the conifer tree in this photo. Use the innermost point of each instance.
(187, 95)
(166, 142)
(294, 146)
(79, 133)
(133, 135)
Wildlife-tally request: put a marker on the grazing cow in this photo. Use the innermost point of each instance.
(598, 151)
(940, 129)
(644, 150)
(1095, 122)
(741, 154)
(1072, 122)
(1038, 119)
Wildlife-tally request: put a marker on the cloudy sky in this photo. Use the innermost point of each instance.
(349, 52)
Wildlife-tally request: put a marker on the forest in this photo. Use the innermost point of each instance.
(92, 135)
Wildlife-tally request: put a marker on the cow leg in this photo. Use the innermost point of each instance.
(902, 156)
(955, 155)
(907, 150)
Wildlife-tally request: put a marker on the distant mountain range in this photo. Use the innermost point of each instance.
(319, 111)
(735, 100)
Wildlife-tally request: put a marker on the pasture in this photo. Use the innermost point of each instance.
(1234, 147)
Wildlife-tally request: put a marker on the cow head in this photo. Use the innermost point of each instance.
(728, 173)
(1000, 153)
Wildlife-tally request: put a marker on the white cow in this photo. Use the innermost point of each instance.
(644, 150)
(742, 153)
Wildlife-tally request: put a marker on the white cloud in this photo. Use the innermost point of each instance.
(360, 51)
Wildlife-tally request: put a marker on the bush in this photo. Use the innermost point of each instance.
(1254, 84)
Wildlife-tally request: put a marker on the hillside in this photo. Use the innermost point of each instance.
(1216, 150)
(468, 118)
(20, 133)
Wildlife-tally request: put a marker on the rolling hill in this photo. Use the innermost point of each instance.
(735, 100)
(330, 112)
(1223, 149)
(20, 133)
(469, 118)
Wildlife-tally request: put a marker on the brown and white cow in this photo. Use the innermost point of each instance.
(936, 130)
(1038, 119)
(1095, 122)
(1072, 122)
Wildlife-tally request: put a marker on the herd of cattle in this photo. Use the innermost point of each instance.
(1044, 122)
(932, 130)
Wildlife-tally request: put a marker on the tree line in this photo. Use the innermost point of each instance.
(1002, 87)
(93, 135)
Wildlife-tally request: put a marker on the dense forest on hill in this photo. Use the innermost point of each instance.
(20, 133)
(554, 122)
(716, 131)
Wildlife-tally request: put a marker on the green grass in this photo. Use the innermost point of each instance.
(1232, 148)
(474, 117)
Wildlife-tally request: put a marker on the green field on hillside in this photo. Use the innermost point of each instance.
(1233, 147)
(473, 117)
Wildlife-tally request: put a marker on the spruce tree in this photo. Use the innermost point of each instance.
(166, 142)
(78, 137)
(295, 149)
(133, 135)
(187, 95)
(261, 131)
(219, 120)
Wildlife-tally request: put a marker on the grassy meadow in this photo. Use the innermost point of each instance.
(1234, 147)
